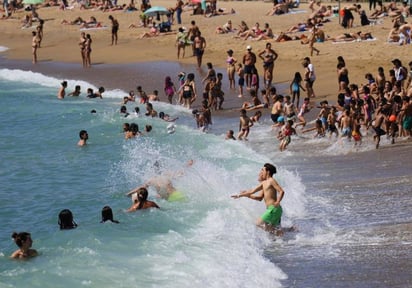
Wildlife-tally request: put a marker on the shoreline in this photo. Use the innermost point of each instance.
(135, 61)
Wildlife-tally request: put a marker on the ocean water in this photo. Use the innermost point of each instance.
(351, 205)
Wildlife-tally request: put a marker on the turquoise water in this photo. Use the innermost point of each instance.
(208, 240)
(351, 204)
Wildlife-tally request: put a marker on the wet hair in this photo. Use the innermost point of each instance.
(148, 128)
(64, 83)
(161, 115)
(134, 128)
(270, 168)
(209, 65)
(136, 109)
(66, 219)
(107, 215)
(77, 88)
(20, 238)
(142, 196)
(81, 133)
(101, 89)
(123, 109)
(126, 127)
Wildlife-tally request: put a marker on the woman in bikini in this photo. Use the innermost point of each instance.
(269, 56)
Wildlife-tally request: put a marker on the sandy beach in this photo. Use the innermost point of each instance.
(60, 46)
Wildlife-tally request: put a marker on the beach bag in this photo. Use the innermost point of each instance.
(66, 219)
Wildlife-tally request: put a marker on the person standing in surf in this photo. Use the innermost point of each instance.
(270, 191)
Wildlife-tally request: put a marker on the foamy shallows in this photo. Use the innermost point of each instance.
(2, 49)
(205, 238)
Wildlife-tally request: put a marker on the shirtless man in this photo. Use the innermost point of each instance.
(277, 108)
(379, 119)
(270, 191)
(346, 125)
(200, 45)
(83, 138)
(115, 28)
(192, 34)
(249, 61)
(244, 125)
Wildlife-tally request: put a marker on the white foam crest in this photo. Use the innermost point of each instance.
(223, 251)
(22, 76)
(3, 48)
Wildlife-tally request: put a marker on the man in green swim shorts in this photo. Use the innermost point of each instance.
(270, 191)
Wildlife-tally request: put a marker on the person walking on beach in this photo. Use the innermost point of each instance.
(269, 56)
(179, 10)
(34, 45)
(24, 242)
(231, 67)
(200, 45)
(88, 50)
(309, 77)
(39, 30)
(295, 87)
(272, 193)
(249, 61)
(115, 28)
(82, 45)
(83, 138)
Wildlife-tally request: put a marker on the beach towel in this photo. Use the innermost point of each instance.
(94, 28)
(354, 41)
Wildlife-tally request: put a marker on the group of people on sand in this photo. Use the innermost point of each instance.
(382, 105)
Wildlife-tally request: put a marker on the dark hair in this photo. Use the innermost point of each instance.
(81, 133)
(20, 238)
(270, 168)
(107, 214)
(66, 219)
(142, 196)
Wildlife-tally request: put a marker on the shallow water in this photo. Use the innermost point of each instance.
(351, 205)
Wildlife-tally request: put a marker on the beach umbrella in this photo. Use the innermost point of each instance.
(32, 2)
(154, 11)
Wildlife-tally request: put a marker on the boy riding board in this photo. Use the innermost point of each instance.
(268, 190)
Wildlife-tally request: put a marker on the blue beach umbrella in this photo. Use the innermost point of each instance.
(152, 12)
(32, 2)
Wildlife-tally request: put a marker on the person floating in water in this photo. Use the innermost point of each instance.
(24, 242)
(107, 215)
(270, 191)
(83, 138)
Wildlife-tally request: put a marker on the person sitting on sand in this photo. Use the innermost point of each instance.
(153, 32)
(266, 35)
(226, 28)
(278, 9)
(243, 27)
(252, 33)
